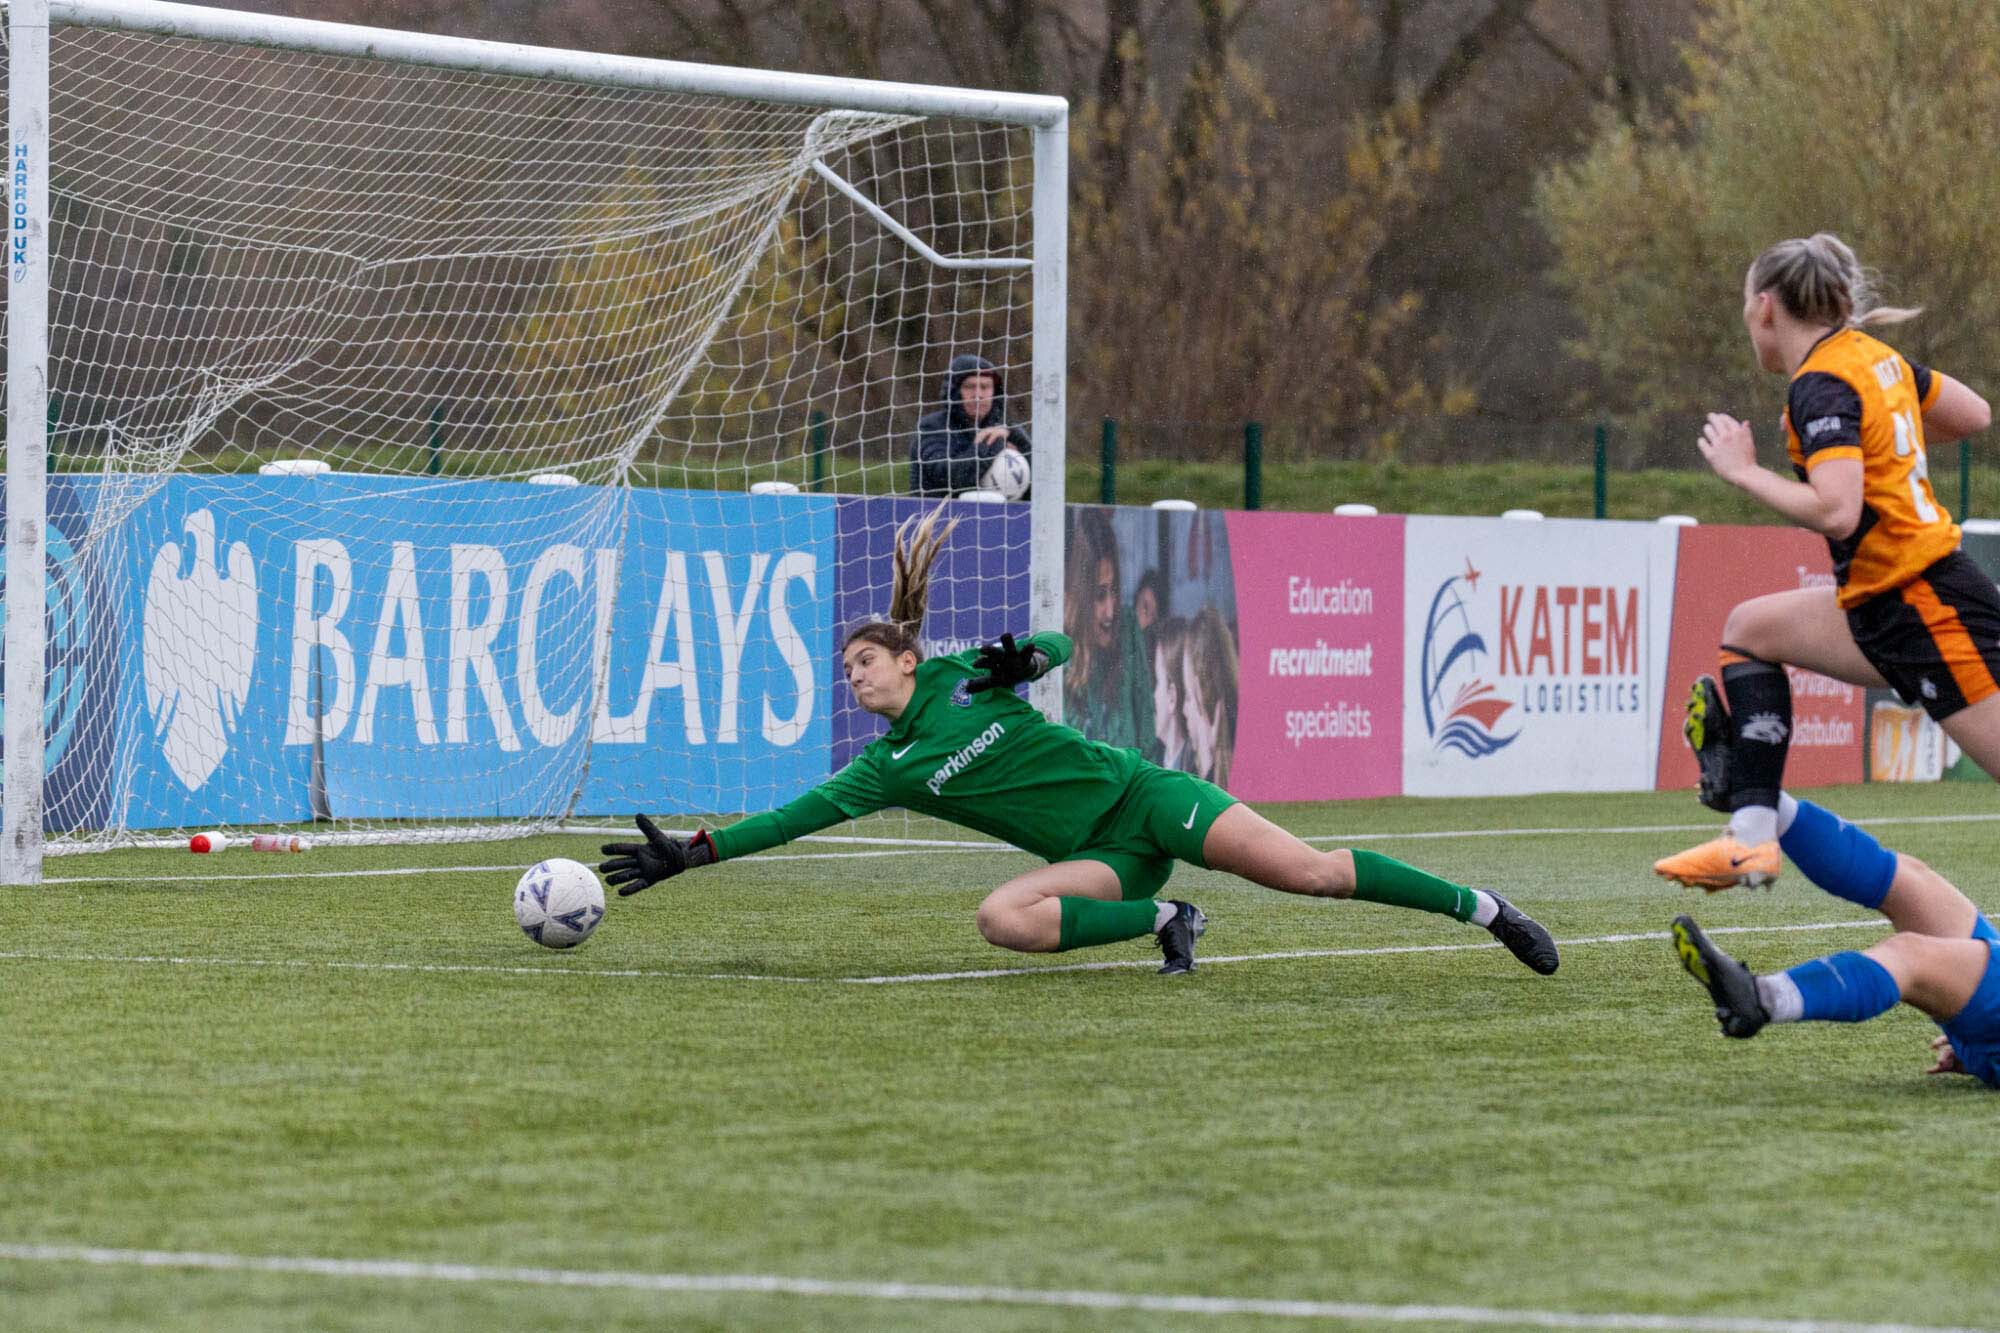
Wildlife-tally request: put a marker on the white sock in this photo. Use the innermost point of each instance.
(1753, 824)
(1788, 810)
(1161, 915)
(1484, 909)
(1781, 997)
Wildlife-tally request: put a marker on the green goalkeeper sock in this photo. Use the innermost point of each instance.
(1384, 879)
(1089, 921)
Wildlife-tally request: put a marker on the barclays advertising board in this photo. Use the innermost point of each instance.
(410, 648)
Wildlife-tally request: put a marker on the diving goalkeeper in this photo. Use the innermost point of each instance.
(962, 746)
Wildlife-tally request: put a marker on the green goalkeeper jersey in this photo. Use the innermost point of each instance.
(988, 761)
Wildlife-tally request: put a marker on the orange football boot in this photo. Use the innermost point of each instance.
(1721, 863)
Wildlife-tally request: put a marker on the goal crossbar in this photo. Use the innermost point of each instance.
(473, 55)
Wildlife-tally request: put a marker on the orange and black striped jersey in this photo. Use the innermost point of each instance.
(1857, 397)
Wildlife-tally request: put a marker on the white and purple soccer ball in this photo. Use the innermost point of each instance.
(558, 903)
(1008, 474)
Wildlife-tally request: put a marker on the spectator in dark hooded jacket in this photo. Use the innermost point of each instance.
(956, 443)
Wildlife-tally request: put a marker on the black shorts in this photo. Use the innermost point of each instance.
(1936, 639)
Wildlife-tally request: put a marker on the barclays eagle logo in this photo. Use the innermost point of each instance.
(200, 648)
(1461, 709)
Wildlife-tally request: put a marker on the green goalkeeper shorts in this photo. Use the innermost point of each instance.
(1164, 817)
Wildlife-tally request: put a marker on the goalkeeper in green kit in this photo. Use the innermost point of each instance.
(962, 746)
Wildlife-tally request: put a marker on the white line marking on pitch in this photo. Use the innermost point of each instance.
(1344, 838)
(933, 1293)
(918, 846)
(341, 965)
(150, 881)
(984, 974)
(889, 979)
(252, 875)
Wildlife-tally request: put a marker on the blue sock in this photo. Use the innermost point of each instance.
(1845, 988)
(1840, 857)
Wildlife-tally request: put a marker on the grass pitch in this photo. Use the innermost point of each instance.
(728, 1082)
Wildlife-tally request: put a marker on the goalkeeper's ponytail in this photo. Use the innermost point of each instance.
(918, 542)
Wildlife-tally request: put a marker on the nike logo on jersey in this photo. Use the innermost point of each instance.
(1191, 814)
(898, 754)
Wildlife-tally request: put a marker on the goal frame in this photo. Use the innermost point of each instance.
(28, 25)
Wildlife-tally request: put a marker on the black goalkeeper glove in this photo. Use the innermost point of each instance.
(1006, 664)
(632, 866)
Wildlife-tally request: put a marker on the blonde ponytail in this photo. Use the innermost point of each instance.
(1818, 280)
(918, 541)
(916, 552)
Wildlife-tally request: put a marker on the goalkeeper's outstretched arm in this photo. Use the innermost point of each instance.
(632, 866)
(808, 814)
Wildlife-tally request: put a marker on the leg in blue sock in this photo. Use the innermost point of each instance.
(1847, 861)
(1844, 988)
(1934, 975)
(1842, 858)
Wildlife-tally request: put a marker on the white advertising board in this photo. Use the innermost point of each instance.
(1534, 654)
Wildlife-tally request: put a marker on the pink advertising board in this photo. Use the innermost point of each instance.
(1319, 606)
(1719, 567)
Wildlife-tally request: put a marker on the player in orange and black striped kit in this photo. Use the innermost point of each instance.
(1911, 611)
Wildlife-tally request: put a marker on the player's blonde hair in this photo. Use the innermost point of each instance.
(1820, 281)
(918, 541)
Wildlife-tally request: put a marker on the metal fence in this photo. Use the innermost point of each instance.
(1608, 448)
(1424, 441)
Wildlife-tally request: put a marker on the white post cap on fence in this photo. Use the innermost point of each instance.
(1356, 510)
(981, 497)
(553, 479)
(1177, 506)
(1523, 515)
(1679, 520)
(294, 467)
(774, 488)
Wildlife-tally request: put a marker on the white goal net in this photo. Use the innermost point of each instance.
(442, 437)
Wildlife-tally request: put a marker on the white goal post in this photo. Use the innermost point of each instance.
(414, 279)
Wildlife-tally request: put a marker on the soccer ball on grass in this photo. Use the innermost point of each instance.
(558, 903)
